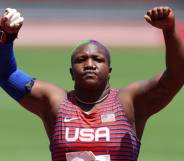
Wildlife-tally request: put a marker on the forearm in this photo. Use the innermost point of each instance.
(7, 60)
(12, 80)
(174, 54)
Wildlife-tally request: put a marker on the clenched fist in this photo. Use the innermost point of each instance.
(161, 17)
(11, 21)
(10, 24)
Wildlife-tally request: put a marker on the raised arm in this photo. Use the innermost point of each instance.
(164, 18)
(36, 96)
(148, 97)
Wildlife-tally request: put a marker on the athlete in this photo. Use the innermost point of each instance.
(94, 121)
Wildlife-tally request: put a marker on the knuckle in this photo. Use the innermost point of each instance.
(154, 10)
(7, 9)
(167, 9)
(159, 9)
(18, 14)
(149, 12)
(12, 10)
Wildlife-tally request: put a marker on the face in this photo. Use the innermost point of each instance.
(90, 66)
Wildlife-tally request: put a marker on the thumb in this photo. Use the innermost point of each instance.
(148, 19)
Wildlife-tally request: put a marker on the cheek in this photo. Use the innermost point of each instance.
(104, 72)
(73, 71)
(76, 69)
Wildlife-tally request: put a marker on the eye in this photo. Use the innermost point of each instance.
(99, 59)
(79, 59)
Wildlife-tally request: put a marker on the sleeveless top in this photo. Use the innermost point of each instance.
(105, 132)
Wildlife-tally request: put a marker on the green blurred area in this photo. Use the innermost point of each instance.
(22, 135)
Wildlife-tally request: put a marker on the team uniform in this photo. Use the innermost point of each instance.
(106, 133)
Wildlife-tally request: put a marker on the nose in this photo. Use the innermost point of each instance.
(90, 64)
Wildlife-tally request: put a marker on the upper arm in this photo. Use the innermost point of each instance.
(44, 98)
(150, 96)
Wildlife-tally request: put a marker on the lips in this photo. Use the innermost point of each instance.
(89, 73)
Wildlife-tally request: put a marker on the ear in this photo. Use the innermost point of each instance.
(71, 73)
(110, 70)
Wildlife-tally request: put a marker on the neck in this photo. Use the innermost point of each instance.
(91, 97)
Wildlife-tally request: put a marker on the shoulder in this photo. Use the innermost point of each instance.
(47, 90)
(44, 98)
(143, 96)
(136, 89)
(129, 92)
(128, 97)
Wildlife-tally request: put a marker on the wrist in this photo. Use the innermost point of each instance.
(170, 29)
(6, 38)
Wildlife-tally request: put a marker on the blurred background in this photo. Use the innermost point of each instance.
(65, 22)
(52, 29)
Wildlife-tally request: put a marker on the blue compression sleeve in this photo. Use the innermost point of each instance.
(7, 60)
(12, 80)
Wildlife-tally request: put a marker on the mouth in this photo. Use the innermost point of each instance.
(89, 74)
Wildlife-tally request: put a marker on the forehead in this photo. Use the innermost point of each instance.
(89, 49)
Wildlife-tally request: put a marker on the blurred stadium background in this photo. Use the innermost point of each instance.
(51, 30)
(66, 22)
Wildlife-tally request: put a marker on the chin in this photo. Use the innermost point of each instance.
(91, 84)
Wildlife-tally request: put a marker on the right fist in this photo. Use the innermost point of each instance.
(11, 21)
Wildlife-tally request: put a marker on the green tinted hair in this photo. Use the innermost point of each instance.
(97, 44)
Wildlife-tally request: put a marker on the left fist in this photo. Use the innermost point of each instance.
(11, 21)
(161, 17)
(10, 24)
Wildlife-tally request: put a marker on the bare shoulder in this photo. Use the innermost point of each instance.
(128, 93)
(48, 90)
(136, 96)
(126, 97)
(150, 96)
(44, 98)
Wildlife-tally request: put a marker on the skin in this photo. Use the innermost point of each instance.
(90, 72)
